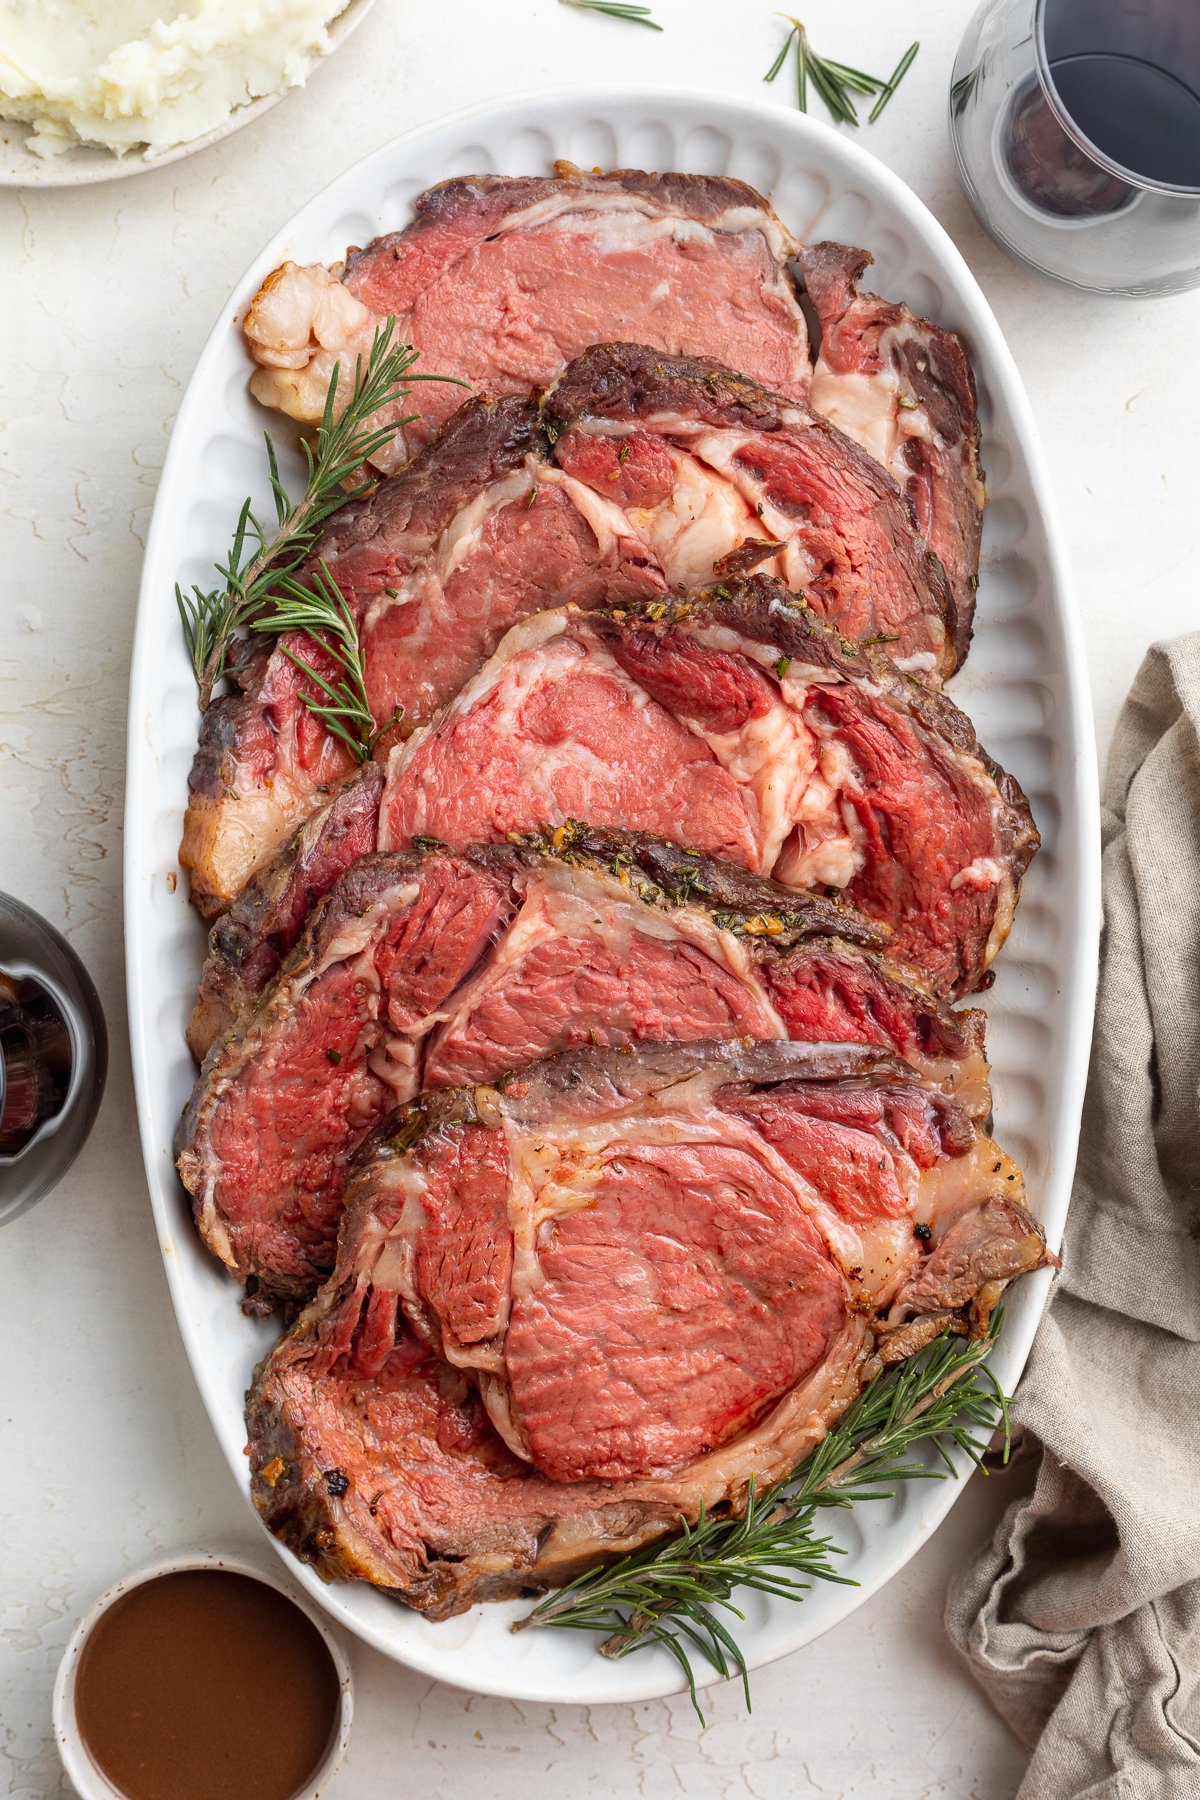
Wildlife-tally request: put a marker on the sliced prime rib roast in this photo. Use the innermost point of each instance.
(642, 474)
(738, 723)
(572, 1310)
(500, 281)
(920, 764)
(425, 969)
(716, 476)
(904, 389)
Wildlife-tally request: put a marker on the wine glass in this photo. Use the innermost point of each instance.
(53, 1057)
(1076, 126)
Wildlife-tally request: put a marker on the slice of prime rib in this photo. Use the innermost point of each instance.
(572, 1310)
(500, 281)
(425, 969)
(739, 724)
(904, 389)
(250, 939)
(641, 475)
(264, 762)
(716, 476)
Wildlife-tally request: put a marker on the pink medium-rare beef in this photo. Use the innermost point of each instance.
(426, 969)
(282, 1102)
(500, 281)
(436, 565)
(264, 762)
(643, 474)
(435, 588)
(553, 729)
(572, 1310)
(249, 941)
(454, 1517)
(738, 723)
(718, 476)
(815, 996)
(579, 1385)
(904, 389)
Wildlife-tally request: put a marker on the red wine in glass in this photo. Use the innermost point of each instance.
(1140, 116)
(1076, 126)
(53, 1057)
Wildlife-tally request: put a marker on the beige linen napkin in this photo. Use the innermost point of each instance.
(1082, 1618)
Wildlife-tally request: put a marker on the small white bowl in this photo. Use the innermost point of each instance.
(85, 1777)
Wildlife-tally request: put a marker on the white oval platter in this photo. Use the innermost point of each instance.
(1025, 685)
(21, 167)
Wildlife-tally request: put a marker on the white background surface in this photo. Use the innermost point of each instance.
(106, 295)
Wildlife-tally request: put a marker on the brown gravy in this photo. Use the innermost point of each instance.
(206, 1685)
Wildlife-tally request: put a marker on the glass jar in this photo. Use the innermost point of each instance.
(1076, 126)
(53, 1057)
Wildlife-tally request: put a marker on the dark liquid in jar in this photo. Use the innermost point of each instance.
(53, 1056)
(1138, 115)
(1135, 113)
(206, 1685)
(35, 1061)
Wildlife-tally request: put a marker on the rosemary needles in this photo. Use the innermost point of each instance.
(259, 561)
(340, 701)
(618, 9)
(679, 1593)
(836, 83)
(893, 82)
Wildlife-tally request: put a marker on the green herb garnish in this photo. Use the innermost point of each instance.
(836, 82)
(617, 9)
(893, 82)
(673, 1593)
(321, 611)
(259, 561)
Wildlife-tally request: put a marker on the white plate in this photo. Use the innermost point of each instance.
(1025, 685)
(23, 168)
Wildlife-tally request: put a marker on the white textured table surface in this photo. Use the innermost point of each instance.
(106, 1457)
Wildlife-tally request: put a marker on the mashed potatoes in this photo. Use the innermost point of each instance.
(149, 72)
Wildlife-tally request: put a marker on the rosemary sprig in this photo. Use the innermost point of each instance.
(323, 613)
(674, 1593)
(893, 82)
(836, 82)
(618, 9)
(259, 560)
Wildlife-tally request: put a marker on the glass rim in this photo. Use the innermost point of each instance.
(1055, 101)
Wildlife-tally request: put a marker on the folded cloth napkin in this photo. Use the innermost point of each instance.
(1081, 1619)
